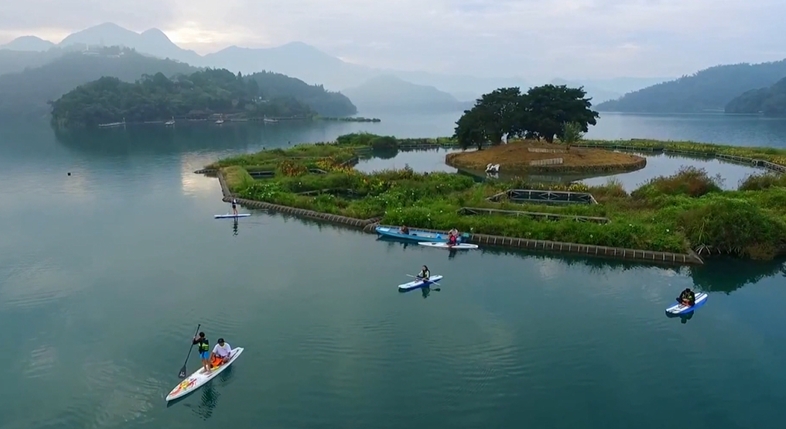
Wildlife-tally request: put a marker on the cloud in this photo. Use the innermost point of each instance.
(571, 38)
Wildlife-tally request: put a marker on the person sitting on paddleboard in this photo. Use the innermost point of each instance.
(452, 240)
(404, 230)
(687, 297)
(204, 350)
(234, 206)
(424, 273)
(221, 353)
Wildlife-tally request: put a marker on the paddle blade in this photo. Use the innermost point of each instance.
(182, 373)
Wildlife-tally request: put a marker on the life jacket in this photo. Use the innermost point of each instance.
(204, 346)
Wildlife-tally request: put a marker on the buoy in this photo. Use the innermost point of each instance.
(69, 173)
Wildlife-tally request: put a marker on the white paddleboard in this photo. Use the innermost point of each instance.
(419, 283)
(230, 216)
(198, 378)
(459, 246)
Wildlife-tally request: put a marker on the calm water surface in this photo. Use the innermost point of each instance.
(106, 273)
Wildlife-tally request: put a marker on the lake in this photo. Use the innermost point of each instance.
(107, 272)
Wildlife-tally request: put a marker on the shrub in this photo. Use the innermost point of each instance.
(733, 225)
(757, 182)
(689, 181)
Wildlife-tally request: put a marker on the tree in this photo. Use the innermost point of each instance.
(549, 107)
(543, 112)
(469, 130)
(494, 116)
(571, 133)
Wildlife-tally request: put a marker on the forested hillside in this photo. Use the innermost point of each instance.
(769, 101)
(157, 97)
(707, 90)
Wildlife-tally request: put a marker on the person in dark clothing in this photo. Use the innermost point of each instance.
(687, 297)
(424, 274)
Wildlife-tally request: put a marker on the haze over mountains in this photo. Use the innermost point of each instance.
(294, 59)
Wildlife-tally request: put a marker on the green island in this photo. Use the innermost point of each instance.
(686, 211)
(199, 95)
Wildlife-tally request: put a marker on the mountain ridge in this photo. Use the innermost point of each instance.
(390, 93)
(707, 90)
(295, 59)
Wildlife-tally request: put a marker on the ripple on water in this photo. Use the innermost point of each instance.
(125, 395)
(35, 284)
(40, 362)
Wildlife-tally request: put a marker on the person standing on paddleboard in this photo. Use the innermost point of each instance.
(204, 351)
(234, 206)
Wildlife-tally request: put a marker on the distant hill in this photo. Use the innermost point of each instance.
(598, 95)
(389, 93)
(198, 95)
(326, 103)
(28, 92)
(28, 43)
(769, 101)
(295, 59)
(707, 90)
(152, 42)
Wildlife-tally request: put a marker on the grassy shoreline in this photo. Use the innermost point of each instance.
(671, 214)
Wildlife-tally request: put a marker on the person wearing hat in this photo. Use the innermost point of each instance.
(221, 353)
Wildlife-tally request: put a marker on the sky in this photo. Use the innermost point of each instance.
(541, 38)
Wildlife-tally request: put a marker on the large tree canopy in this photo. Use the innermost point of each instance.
(542, 112)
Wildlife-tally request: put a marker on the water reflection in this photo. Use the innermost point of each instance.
(683, 317)
(718, 274)
(726, 274)
(234, 227)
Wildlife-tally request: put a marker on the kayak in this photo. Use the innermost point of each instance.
(230, 216)
(701, 298)
(198, 379)
(419, 283)
(460, 246)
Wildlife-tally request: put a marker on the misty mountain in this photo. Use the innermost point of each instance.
(28, 43)
(297, 60)
(28, 93)
(598, 95)
(710, 89)
(390, 93)
(769, 101)
(293, 59)
(152, 42)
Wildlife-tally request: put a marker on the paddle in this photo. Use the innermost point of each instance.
(428, 282)
(182, 373)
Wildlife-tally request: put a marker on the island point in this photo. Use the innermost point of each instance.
(673, 219)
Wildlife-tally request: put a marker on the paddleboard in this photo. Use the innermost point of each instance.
(701, 298)
(460, 246)
(231, 216)
(198, 378)
(419, 283)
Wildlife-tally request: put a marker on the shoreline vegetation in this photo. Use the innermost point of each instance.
(682, 213)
